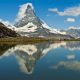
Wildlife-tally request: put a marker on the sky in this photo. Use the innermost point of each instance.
(60, 14)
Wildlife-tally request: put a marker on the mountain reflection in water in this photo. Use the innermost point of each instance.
(28, 56)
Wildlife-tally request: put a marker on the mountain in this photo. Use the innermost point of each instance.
(30, 25)
(6, 32)
(72, 31)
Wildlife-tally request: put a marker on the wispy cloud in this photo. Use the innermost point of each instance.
(71, 65)
(73, 27)
(70, 20)
(22, 11)
(71, 11)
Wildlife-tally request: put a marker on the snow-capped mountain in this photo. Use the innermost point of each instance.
(73, 31)
(30, 25)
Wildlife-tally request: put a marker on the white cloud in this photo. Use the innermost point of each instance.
(71, 56)
(22, 11)
(70, 20)
(74, 27)
(72, 65)
(71, 11)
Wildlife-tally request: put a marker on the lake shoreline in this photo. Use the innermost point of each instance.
(27, 40)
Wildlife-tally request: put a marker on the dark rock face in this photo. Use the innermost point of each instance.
(6, 32)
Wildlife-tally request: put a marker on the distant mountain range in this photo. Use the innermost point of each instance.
(32, 26)
(72, 31)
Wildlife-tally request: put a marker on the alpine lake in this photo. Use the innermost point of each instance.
(40, 61)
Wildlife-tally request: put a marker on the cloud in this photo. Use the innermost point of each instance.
(70, 20)
(74, 27)
(71, 56)
(22, 11)
(71, 65)
(71, 11)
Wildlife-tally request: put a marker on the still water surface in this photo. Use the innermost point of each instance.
(41, 61)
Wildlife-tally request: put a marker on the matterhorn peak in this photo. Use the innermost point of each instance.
(29, 5)
(23, 9)
(31, 25)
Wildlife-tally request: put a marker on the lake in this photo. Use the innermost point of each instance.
(40, 61)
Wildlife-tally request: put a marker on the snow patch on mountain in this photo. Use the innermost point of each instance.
(51, 29)
(30, 27)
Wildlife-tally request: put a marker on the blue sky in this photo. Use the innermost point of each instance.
(59, 14)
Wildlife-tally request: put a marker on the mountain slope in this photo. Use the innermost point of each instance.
(6, 32)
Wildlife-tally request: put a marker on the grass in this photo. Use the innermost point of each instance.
(27, 40)
(21, 40)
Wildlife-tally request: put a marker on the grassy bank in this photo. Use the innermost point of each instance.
(27, 40)
(21, 40)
